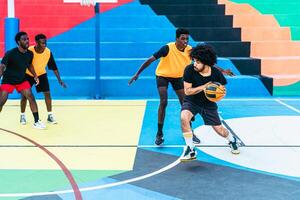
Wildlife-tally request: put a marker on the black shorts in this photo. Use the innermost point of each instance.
(43, 86)
(209, 116)
(177, 83)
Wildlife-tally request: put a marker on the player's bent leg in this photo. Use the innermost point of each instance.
(163, 94)
(27, 93)
(190, 150)
(48, 101)
(3, 98)
(38, 124)
(232, 141)
(23, 104)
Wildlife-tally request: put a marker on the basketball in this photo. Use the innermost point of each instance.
(215, 92)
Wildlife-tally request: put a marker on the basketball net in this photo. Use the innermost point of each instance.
(87, 2)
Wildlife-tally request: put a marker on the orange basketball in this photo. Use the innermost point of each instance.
(215, 92)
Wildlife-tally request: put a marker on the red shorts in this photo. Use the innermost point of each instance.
(19, 87)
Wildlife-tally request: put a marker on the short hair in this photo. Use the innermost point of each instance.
(180, 31)
(205, 54)
(40, 36)
(19, 35)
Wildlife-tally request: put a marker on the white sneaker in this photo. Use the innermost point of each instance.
(23, 119)
(189, 155)
(39, 125)
(51, 119)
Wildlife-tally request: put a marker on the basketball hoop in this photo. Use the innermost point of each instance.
(87, 2)
(90, 2)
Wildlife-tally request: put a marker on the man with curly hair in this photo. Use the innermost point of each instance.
(197, 77)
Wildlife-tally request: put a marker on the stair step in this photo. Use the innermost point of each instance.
(117, 67)
(247, 66)
(282, 65)
(201, 20)
(145, 87)
(265, 33)
(275, 48)
(139, 50)
(285, 79)
(206, 9)
(255, 20)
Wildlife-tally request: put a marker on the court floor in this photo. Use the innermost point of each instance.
(105, 150)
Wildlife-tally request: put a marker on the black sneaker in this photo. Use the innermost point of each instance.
(234, 147)
(189, 155)
(196, 140)
(159, 139)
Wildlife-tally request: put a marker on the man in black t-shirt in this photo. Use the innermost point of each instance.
(196, 78)
(12, 70)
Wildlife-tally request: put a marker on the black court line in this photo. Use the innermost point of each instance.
(233, 133)
(145, 146)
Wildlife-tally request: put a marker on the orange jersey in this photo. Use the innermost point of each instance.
(40, 61)
(174, 63)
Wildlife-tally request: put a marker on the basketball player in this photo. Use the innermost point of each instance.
(174, 57)
(42, 57)
(12, 68)
(196, 78)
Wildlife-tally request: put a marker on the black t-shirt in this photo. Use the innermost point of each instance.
(51, 63)
(162, 52)
(16, 64)
(191, 76)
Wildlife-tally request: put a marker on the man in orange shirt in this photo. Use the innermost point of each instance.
(42, 57)
(174, 57)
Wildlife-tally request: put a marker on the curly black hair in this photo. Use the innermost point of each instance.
(205, 54)
(19, 35)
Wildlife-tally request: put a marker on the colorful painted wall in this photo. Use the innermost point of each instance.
(273, 27)
(130, 32)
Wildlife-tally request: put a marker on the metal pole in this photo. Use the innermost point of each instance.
(10, 8)
(97, 52)
(11, 26)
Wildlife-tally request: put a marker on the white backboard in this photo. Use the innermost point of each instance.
(96, 1)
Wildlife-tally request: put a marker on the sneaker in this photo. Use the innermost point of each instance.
(189, 155)
(51, 119)
(39, 125)
(234, 147)
(159, 139)
(196, 140)
(23, 119)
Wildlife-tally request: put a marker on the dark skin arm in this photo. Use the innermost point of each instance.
(32, 71)
(143, 66)
(2, 68)
(59, 79)
(226, 71)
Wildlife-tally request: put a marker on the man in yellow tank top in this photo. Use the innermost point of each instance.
(42, 57)
(174, 57)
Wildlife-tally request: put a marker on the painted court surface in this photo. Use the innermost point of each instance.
(105, 150)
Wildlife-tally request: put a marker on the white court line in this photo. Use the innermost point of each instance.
(98, 187)
(288, 106)
(242, 99)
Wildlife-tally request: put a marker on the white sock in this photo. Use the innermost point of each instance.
(230, 137)
(23, 114)
(188, 137)
(49, 113)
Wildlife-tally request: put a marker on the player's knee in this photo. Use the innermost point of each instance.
(185, 118)
(30, 97)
